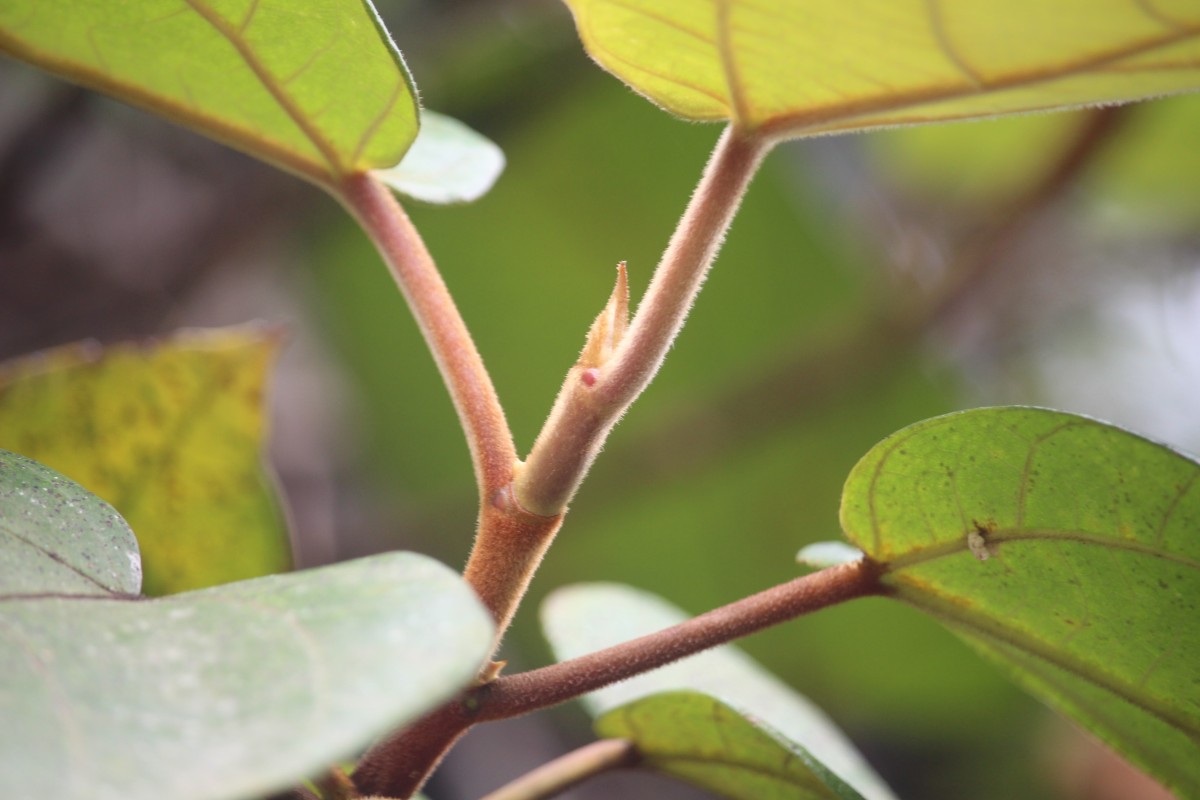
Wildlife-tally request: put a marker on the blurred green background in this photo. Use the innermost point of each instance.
(869, 282)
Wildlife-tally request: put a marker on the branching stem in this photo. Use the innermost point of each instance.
(540, 688)
(592, 399)
(400, 765)
(521, 506)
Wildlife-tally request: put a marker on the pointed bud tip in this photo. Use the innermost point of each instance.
(609, 328)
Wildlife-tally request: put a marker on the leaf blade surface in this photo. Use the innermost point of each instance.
(315, 87)
(1066, 549)
(699, 739)
(792, 69)
(170, 433)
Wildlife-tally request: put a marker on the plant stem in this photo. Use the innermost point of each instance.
(592, 399)
(569, 770)
(493, 453)
(529, 691)
(860, 354)
(400, 765)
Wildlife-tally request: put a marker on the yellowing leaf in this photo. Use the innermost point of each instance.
(791, 68)
(170, 434)
(314, 86)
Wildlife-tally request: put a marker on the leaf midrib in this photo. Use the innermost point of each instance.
(848, 112)
(924, 555)
(941, 607)
(238, 42)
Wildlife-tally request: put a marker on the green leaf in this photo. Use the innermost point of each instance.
(1066, 549)
(699, 739)
(171, 434)
(791, 69)
(582, 619)
(315, 87)
(229, 692)
(448, 163)
(55, 536)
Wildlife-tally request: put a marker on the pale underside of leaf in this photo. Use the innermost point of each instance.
(447, 163)
(796, 68)
(1066, 549)
(317, 88)
(230, 692)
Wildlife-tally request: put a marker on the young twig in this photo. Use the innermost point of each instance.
(854, 356)
(509, 542)
(594, 396)
(540, 688)
(493, 453)
(519, 517)
(569, 770)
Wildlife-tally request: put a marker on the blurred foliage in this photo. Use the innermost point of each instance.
(171, 434)
(1150, 177)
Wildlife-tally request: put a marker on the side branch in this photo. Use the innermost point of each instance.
(493, 453)
(529, 691)
(594, 397)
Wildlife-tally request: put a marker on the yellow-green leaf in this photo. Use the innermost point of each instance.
(316, 87)
(1066, 549)
(170, 433)
(792, 68)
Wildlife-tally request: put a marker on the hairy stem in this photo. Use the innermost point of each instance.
(520, 694)
(569, 770)
(858, 355)
(493, 453)
(593, 398)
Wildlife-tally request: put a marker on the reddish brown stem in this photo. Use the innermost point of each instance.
(520, 694)
(399, 766)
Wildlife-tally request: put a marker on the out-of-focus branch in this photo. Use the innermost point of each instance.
(569, 770)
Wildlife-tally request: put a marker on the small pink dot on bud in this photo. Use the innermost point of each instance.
(590, 376)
